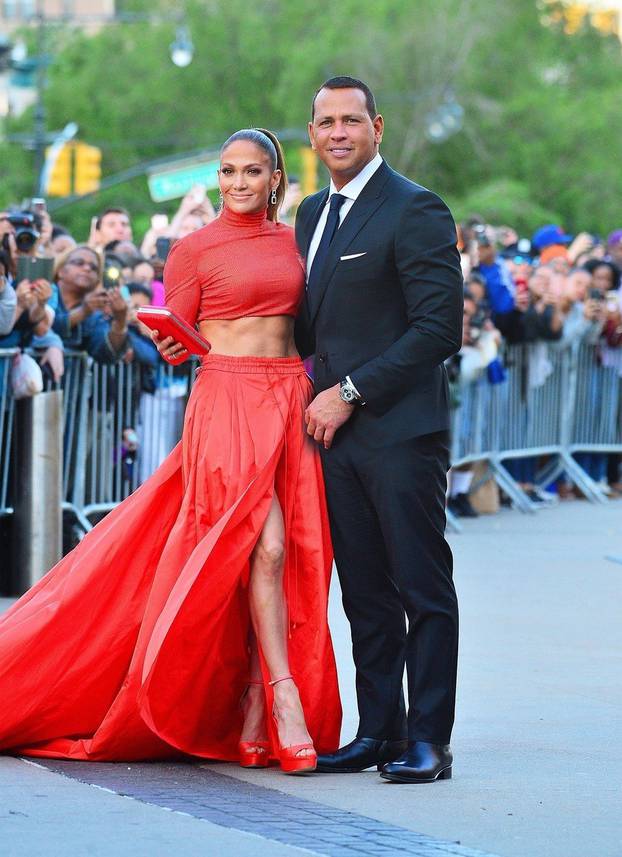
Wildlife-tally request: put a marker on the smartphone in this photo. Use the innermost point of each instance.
(31, 268)
(163, 245)
(159, 221)
(596, 295)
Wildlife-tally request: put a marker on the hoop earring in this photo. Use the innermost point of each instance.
(273, 199)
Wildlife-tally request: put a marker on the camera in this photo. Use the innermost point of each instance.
(26, 231)
(476, 323)
(480, 234)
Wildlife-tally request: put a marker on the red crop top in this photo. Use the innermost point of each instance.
(238, 265)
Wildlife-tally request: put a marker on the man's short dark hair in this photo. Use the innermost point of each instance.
(112, 210)
(140, 289)
(348, 83)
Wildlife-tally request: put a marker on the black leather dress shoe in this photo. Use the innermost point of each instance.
(360, 754)
(421, 763)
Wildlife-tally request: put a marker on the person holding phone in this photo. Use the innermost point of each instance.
(32, 314)
(88, 316)
(194, 616)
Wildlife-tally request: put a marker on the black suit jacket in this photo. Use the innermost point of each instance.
(390, 317)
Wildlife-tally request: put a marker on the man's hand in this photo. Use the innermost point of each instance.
(326, 413)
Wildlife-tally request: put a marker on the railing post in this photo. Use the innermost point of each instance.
(38, 488)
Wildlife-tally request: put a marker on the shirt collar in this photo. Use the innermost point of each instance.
(353, 188)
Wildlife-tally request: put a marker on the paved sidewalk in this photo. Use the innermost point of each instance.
(537, 760)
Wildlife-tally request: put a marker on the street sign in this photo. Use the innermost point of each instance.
(179, 178)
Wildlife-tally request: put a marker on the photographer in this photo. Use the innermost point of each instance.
(88, 316)
(24, 310)
(8, 298)
(585, 309)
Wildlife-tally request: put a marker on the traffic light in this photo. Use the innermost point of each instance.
(309, 170)
(575, 14)
(88, 169)
(607, 21)
(59, 178)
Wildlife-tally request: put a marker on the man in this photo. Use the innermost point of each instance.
(113, 224)
(383, 311)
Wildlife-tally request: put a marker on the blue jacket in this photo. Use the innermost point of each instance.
(91, 335)
(499, 286)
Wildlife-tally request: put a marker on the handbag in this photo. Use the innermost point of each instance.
(26, 377)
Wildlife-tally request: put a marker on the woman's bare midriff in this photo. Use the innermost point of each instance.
(254, 336)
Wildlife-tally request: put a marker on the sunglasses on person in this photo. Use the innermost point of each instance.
(82, 263)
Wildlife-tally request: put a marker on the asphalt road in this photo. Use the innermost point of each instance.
(536, 743)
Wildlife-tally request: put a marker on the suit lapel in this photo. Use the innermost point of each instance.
(369, 200)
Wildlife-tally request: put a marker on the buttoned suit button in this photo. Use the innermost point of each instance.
(322, 357)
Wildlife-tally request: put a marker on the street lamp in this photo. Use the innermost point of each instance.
(182, 49)
(446, 120)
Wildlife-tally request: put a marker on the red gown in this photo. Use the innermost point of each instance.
(135, 645)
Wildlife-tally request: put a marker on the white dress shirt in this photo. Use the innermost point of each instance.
(351, 191)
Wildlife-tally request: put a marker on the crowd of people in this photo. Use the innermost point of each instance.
(551, 288)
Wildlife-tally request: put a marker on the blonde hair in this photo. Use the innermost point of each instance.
(64, 257)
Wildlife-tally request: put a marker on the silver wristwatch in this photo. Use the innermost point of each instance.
(348, 392)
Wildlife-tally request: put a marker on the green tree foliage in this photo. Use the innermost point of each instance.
(542, 130)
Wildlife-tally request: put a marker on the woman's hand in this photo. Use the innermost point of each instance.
(168, 348)
(95, 301)
(42, 291)
(117, 305)
(55, 359)
(25, 295)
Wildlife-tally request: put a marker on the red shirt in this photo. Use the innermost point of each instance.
(238, 265)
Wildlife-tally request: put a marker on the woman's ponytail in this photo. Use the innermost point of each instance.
(273, 210)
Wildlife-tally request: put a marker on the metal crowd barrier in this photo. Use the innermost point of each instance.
(120, 421)
(135, 418)
(7, 412)
(554, 402)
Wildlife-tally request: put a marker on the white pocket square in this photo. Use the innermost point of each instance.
(353, 256)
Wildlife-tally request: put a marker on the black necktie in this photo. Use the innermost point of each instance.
(332, 222)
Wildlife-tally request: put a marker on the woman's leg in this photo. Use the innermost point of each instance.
(254, 701)
(269, 616)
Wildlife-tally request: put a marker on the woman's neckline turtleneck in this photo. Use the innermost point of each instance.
(234, 218)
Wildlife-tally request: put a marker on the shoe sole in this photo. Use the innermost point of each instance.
(297, 771)
(322, 769)
(445, 774)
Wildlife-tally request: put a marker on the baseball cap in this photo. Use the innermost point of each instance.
(549, 234)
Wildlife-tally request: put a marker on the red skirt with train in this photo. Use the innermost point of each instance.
(135, 645)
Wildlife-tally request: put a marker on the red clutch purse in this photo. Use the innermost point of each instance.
(165, 321)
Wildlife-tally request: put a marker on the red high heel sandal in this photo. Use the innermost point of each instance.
(289, 761)
(253, 754)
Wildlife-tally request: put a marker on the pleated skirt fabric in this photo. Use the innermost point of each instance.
(135, 645)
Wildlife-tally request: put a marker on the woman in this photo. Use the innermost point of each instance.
(87, 316)
(141, 642)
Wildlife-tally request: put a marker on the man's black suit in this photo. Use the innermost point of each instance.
(388, 318)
